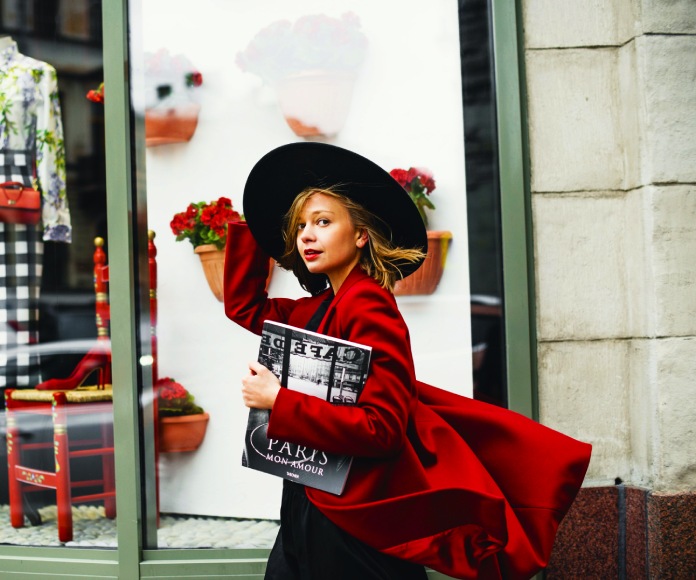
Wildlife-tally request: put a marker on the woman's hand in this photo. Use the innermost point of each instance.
(260, 387)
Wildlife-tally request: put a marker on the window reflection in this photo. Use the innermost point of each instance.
(53, 138)
(261, 83)
(401, 104)
(483, 203)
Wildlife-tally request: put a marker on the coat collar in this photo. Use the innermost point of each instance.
(356, 275)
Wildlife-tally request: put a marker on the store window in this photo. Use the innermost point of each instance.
(52, 142)
(217, 85)
(205, 106)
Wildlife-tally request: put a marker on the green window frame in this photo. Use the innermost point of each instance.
(516, 212)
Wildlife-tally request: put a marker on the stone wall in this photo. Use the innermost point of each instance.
(612, 135)
(612, 127)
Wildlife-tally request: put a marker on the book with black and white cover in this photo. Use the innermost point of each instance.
(318, 365)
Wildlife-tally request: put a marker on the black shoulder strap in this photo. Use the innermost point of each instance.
(317, 317)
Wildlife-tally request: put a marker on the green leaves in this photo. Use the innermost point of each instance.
(422, 201)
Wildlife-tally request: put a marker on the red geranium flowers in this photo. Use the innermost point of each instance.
(174, 400)
(97, 96)
(419, 184)
(205, 222)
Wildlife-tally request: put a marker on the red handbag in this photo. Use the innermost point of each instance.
(19, 204)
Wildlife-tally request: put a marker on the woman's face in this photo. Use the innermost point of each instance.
(327, 240)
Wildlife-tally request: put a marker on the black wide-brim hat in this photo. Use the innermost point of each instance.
(280, 175)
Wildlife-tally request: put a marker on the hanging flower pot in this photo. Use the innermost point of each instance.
(165, 126)
(182, 423)
(419, 183)
(204, 224)
(427, 277)
(171, 103)
(312, 63)
(213, 262)
(171, 111)
(184, 433)
(316, 103)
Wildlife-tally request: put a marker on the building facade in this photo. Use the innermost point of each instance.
(595, 115)
(611, 114)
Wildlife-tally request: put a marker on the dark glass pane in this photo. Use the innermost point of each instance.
(483, 202)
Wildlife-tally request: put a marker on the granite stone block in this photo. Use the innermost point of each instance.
(587, 542)
(672, 535)
(636, 533)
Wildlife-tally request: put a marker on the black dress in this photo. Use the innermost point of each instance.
(309, 546)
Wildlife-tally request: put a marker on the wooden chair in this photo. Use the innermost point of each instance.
(70, 402)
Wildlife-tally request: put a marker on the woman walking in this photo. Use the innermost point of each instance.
(437, 480)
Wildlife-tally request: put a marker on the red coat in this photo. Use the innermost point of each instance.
(466, 488)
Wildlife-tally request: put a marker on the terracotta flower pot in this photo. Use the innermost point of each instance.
(427, 277)
(316, 103)
(184, 433)
(213, 262)
(171, 125)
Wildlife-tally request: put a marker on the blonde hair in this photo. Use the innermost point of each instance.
(379, 258)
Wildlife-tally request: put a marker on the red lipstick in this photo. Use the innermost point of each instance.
(310, 255)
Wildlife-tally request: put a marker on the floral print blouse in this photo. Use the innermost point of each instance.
(30, 120)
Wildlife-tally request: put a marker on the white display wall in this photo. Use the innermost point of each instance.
(406, 111)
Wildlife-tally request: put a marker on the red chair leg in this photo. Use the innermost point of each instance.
(108, 470)
(60, 444)
(13, 459)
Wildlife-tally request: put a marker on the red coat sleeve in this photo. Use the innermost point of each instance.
(376, 426)
(471, 490)
(246, 272)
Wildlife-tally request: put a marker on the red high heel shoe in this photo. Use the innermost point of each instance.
(98, 359)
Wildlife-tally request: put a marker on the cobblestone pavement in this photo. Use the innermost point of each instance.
(92, 529)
